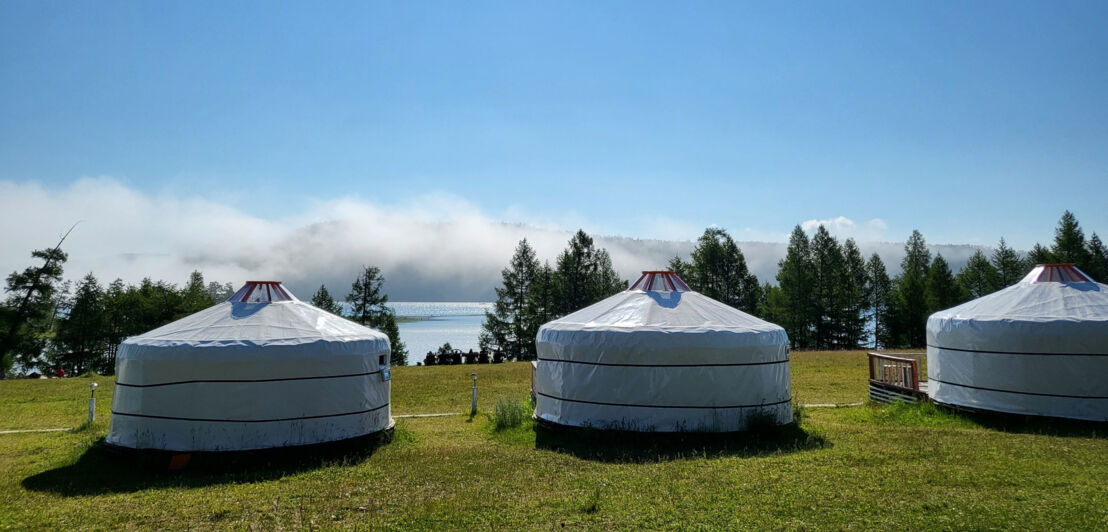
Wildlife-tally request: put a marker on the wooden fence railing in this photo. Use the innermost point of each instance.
(893, 378)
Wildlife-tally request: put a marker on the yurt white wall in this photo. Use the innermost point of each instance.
(260, 370)
(1039, 347)
(662, 358)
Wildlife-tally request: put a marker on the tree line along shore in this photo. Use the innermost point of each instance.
(826, 296)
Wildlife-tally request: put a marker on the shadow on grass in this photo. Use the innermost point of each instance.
(1025, 424)
(929, 414)
(647, 447)
(103, 469)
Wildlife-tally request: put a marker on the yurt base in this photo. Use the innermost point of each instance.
(1023, 422)
(753, 428)
(883, 392)
(158, 459)
(619, 445)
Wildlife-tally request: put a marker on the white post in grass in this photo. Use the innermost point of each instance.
(92, 402)
(473, 408)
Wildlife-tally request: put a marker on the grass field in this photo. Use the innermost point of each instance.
(859, 468)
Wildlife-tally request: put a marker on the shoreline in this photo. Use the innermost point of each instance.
(409, 319)
(403, 319)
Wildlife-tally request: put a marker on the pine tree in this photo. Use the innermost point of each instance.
(169, 303)
(323, 301)
(794, 276)
(1069, 242)
(116, 317)
(543, 298)
(1039, 255)
(585, 275)
(909, 324)
(718, 270)
(681, 268)
(398, 353)
(1009, 267)
(1098, 259)
(942, 291)
(194, 296)
(53, 353)
(879, 290)
(80, 337)
(827, 272)
(509, 326)
(772, 305)
(606, 281)
(576, 265)
(367, 303)
(752, 295)
(855, 299)
(917, 258)
(978, 277)
(28, 312)
(367, 306)
(710, 268)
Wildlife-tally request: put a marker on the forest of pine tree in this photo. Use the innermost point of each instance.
(79, 326)
(826, 296)
(531, 293)
(825, 300)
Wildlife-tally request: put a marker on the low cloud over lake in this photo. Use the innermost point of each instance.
(435, 248)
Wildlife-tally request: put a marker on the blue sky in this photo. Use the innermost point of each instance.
(967, 120)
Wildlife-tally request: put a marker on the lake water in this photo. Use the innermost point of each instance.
(457, 323)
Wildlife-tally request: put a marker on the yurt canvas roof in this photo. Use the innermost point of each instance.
(651, 305)
(247, 318)
(1042, 295)
(1055, 307)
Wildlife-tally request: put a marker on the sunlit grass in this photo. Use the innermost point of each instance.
(862, 468)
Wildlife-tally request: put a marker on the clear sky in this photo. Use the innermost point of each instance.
(967, 120)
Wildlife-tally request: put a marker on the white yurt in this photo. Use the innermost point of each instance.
(260, 370)
(660, 357)
(1038, 347)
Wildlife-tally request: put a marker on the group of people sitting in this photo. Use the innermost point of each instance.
(456, 356)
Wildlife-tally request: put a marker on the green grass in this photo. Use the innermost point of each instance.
(860, 468)
(509, 413)
(440, 389)
(50, 403)
(832, 377)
